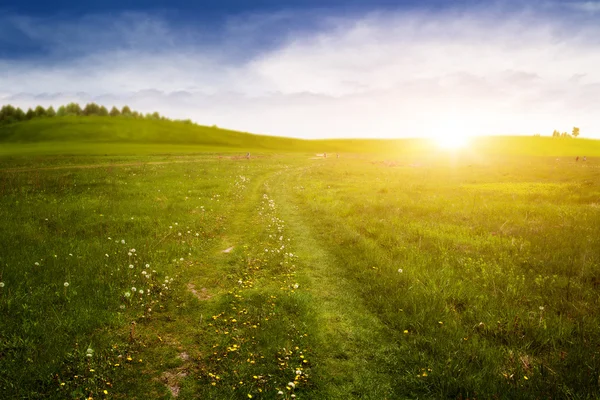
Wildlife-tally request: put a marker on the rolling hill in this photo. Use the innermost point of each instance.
(110, 135)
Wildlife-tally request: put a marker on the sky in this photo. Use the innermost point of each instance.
(315, 69)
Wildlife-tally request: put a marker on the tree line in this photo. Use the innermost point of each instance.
(10, 114)
(574, 133)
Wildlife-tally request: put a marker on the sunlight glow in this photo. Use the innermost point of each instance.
(452, 141)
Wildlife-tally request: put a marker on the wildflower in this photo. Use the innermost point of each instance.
(1, 284)
(89, 352)
(129, 254)
(147, 265)
(133, 289)
(541, 308)
(140, 291)
(298, 372)
(122, 306)
(181, 259)
(400, 270)
(131, 266)
(296, 286)
(66, 284)
(36, 264)
(127, 294)
(280, 393)
(406, 331)
(122, 241)
(292, 385)
(106, 255)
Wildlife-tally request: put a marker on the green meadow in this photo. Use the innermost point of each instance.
(151, 259)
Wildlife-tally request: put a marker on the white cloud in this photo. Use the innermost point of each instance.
(374, 75)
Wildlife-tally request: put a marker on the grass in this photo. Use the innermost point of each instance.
(418, 275)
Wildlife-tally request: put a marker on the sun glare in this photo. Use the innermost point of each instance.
(452, 142)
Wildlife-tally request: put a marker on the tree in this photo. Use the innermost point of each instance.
(126, 111)
(19, 115)
(91, 109)
(29, 114)
(103, 112)
(575, 131)
(61, 112)
(114, 112)
(73, 109)
(40, 111)
(7, 114)
(50, 112)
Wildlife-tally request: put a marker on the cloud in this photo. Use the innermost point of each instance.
(585, 6)
(391, 74)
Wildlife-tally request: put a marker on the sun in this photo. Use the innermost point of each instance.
(452, 141)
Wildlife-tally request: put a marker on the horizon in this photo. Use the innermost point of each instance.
(311, 70)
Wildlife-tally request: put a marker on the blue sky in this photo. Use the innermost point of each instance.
(314, 68)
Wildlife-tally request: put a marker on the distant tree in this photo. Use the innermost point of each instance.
(575, 131)
(556, 133)
(136, 114)
(19, 115)
(103, 112)
(73, 109)
(50, 112)
(7, 114)
(29, 114)
(40, 111)
(126, 111)
(91, 109)
(114, 112)
(61, 112)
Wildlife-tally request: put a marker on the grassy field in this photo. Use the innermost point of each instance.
(152, 272)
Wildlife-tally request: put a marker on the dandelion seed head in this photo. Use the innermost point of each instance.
(66, 284)
(1, 284)
(123, 241)
(131, 266)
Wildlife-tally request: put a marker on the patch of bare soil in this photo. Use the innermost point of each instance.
(201, 294)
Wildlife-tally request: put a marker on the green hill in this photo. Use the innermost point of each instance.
(110, 135)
